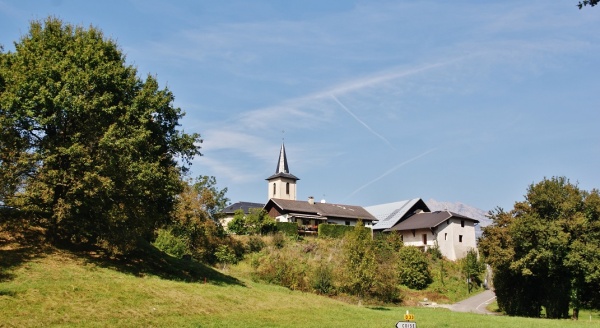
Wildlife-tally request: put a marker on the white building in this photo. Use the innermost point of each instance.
(453, 233)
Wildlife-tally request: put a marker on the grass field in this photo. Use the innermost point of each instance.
(43, 286)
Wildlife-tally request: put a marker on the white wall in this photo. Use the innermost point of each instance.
(447, 236)
(280, 189)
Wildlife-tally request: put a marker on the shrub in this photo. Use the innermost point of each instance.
(288, 228)
(169, 243)
(334, 230)
(434, 252)
(285, 269)
(225, 255)
(278, 240)
(322, 279)
(255, 244)
(413, 269)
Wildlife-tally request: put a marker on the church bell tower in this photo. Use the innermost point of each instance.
(282, 184)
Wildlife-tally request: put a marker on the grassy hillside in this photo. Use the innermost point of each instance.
(44, 286)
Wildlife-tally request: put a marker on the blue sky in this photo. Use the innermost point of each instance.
(380, 101)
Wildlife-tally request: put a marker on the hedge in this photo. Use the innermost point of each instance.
(334, 230)
(288, 228)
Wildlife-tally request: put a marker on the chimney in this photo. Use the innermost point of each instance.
(311, 200)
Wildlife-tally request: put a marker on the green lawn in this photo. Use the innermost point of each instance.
(57, 288)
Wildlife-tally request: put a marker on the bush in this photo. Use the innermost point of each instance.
(413, 269)
(288, 228)
(434, 252)
(334, 230)
(322, 279)
(255, 244)
(167, 242)
(285, 269)
(278, 240)
(225, 255)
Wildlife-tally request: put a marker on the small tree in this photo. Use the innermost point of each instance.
(359, 261)
(225, 255)
(472, 268)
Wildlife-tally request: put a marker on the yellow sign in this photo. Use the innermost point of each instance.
(409, 317)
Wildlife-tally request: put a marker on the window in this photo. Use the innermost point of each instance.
(287, 188)
(274, 189)
(448, 222)
(424, 239)
(460, 238)
(446, 236)
(462, 223)
(347, 223)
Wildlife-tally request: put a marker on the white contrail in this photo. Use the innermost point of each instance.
(361, 122)
(388, 172)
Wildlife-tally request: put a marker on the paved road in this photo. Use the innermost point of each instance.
(475, 304)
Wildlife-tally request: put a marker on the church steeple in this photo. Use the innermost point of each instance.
(282, 184)
(282, 165)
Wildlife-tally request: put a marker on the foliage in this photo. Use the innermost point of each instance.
(333, 230)
(413, 268)
(288, 228)
(88, 146)
(322, 280)
(472, 268)
(238, 224)
(256, 222)
(212, 199)
(278, 240)
(590, 3)
(170, 244)
(255, 244)
(358, 261)
(225, 255)
(192, 224)
(545, 252)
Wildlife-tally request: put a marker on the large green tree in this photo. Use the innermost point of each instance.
(545, 252)
(89, 147)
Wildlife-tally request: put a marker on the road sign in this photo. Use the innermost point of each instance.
(406, 324)
(409, 317)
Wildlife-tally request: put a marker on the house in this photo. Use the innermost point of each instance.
(453, 233)
(309, 214)
(390, 214)
(283, 206)
(229, 211)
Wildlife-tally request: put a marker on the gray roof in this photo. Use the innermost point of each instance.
(428, 220)
(391, 213)
(322, 209)
(282, 170)
(245, 206)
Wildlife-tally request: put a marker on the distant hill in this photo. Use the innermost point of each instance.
(463, 209)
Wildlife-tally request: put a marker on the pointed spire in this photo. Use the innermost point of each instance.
(282, 170)
(282, 165)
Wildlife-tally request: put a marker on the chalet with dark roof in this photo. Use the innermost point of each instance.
(311, 214)
(453, 233)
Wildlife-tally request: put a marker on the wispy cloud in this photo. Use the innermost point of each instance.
(388, 172)
(362, 122)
